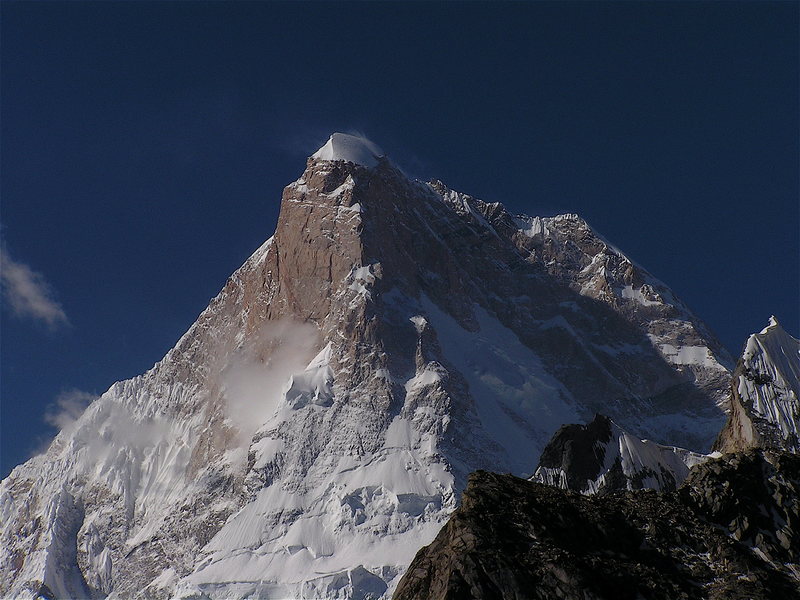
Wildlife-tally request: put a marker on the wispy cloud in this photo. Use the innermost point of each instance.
(27, 293)
(62, 414)
(255, 376)
(67, 408)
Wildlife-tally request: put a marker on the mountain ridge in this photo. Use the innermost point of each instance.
(601, 457)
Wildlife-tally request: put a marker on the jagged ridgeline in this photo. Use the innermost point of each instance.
(316, 425)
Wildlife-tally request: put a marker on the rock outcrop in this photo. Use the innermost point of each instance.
(730, 532)
(601, 457)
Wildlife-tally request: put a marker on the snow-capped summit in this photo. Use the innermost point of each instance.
(350, 148)
(765, 394)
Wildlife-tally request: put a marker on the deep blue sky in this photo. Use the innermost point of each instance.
(145, 147)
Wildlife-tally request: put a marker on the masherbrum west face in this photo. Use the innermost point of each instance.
(314, 428)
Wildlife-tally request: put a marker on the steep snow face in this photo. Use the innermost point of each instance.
(771, 381)
(601, 457)
(764, 393)
(518, 402)
(318, 422)
(350, 148)
(122, 502)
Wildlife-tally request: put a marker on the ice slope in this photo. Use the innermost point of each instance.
(764, 393)
(771, 380)
(574, 254)
(602, 457)
(351, 148)
(518, 402)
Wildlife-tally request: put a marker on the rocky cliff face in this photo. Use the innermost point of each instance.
(601, 457)
(317, 424)
(729, 532)
(765, 410)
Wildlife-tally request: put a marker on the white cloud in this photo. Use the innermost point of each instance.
(27, 293)
(254, 378)
(67, 408)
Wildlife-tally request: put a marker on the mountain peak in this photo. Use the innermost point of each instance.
(350, 148)
(765, 410)
(773, 322)
(601, 457)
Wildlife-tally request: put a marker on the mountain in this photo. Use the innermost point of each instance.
(730, 532)
(317, 423)
(601, 457)
(765, 410)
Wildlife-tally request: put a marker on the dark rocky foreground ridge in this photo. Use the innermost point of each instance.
(729, 532)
